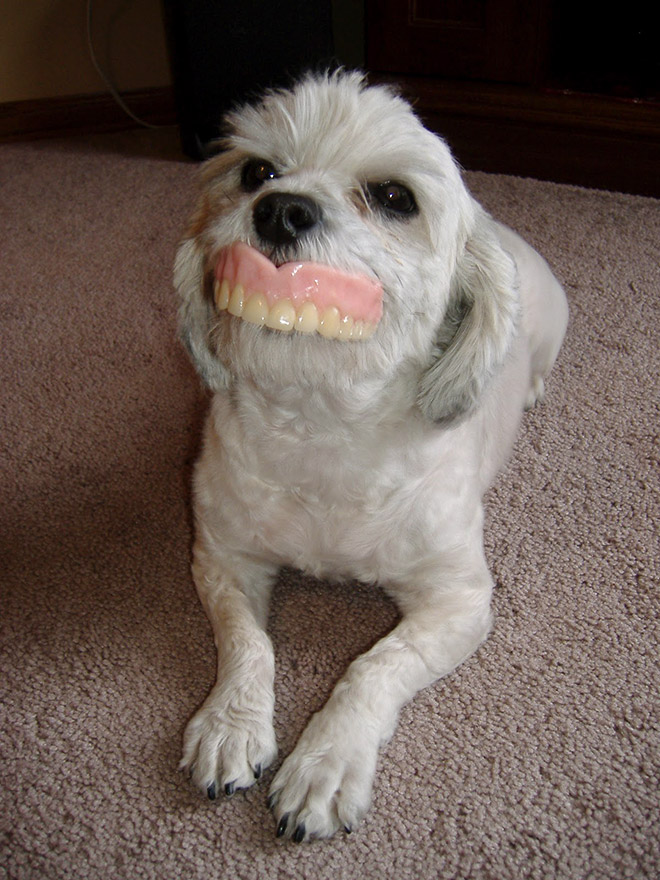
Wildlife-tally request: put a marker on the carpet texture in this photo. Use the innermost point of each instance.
(538, 758)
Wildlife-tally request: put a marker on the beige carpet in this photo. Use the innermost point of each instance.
(537, 759)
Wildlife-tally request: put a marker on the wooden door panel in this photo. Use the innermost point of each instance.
(492, 40)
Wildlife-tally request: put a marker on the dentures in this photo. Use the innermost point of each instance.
(303, 297)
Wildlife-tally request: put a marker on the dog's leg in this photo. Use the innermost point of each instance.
(325, 784)
(230, 740)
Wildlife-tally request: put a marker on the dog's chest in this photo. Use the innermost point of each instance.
(316, 498)
(343, 529)
(329, 499)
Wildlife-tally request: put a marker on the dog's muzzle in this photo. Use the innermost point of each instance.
(299, 296)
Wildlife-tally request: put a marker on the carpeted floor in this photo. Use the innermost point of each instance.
(537, 759)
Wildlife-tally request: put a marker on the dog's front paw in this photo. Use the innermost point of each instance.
(325, 783)
(227, 744)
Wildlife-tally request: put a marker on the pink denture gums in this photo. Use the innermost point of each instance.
(359, 296)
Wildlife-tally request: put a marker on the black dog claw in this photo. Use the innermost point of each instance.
(210, 791)
(257, 771)
(229, 789)
(299, 833)
(281, 828)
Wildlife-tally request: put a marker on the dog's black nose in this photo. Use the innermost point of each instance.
(282, 218)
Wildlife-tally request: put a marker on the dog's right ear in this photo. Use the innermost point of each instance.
(196, 314)
(478, 330)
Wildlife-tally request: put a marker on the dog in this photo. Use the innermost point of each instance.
(371, 337)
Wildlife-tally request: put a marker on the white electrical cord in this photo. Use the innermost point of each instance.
(106, 79)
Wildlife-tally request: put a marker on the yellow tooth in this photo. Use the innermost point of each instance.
(235, 306)
(256, 309)
(363, 330)
(346, 326)
(282, 316)
(329, 323)
(221, 294)
(308, 318)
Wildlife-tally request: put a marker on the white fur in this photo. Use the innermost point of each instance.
(363, 460)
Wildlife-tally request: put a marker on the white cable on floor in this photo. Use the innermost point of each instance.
(106, 79)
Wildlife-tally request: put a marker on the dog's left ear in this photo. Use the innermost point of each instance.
(196, 314)
(479, 326)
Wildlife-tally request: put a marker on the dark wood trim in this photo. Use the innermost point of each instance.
(82, 114)
(587, 140)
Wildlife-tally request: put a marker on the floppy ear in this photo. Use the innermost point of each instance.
(478, 329)
(196, 315)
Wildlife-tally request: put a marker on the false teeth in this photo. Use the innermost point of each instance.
(304, 297)
(253, 308)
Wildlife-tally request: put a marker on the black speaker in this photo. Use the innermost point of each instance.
(222, 53)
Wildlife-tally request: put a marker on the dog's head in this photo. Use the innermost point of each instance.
(334, 241)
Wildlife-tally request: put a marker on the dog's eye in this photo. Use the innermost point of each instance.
(255, 172)
(394, 197)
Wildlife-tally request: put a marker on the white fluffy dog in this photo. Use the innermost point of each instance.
(371, 337)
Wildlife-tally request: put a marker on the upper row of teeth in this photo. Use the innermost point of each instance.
(284, 316)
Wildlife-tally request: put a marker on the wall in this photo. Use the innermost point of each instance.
(44, 51)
